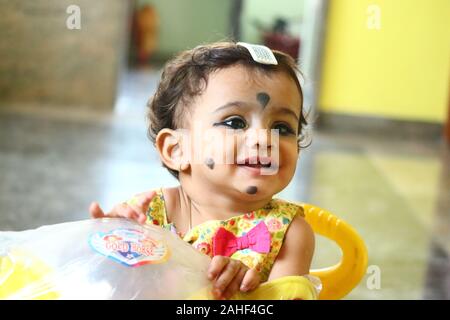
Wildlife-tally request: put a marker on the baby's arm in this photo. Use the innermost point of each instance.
(297, 251)
(135, 209)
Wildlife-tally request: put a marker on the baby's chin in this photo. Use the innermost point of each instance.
(249, 191)
(244, 186)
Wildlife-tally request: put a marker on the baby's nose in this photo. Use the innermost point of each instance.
(258, 138)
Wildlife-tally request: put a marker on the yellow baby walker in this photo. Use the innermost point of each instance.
(119, 259)
(336, 281)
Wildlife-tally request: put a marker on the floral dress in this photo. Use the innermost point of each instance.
(276, 217)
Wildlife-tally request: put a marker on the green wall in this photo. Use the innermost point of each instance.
(185, 24)
(266, 11)
(188, 23)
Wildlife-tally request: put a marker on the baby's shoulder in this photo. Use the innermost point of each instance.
(156, 208)
(287, 208)
(170, 197)
(162, 207)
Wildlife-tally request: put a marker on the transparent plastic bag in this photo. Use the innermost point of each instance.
(100, 259)
(117, 259)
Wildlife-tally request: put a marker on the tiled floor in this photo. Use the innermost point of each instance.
(396, 193)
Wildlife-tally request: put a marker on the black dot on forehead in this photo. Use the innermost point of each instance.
(263, 98)
(252, 190)
(210, 163)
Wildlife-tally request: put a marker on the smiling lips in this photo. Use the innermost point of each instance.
(255, 164)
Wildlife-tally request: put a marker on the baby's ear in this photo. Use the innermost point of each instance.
(170, 149)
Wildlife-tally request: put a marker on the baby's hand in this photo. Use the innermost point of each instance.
(135, 209)
(229, 276)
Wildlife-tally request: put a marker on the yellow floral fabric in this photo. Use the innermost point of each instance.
(277, 215)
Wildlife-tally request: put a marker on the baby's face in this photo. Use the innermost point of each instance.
(243, 133)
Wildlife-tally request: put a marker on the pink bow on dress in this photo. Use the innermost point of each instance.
(224, 243)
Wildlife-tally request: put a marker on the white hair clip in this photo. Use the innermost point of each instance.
(261, 54)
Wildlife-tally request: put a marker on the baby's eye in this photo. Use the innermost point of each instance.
(234, 123)
(283, 129)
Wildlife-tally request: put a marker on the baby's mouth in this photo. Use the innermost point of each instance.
(255, 162)
(256, 165)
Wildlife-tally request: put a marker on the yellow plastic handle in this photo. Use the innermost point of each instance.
(285, 288)
(340, 279)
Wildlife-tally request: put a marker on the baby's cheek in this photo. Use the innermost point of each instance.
(218, 148)
(288, 160)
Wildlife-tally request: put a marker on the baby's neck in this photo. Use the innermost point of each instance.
(217, 207)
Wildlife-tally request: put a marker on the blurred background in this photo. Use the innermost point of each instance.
(75, 76)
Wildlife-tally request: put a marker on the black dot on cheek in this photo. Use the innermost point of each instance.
(252, 190)
(210, 163)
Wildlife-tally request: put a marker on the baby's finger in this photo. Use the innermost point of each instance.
(133, 212)
(235, 284)
(144, 203)
(145, 198)
(216, 266)
(142, 219)
(251, 280)
(125, 211)
(227, 275)
(95, 211)
(140, 205)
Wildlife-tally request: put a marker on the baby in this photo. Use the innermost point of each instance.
(227, 125)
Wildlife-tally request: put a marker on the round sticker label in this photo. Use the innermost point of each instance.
(129, 247)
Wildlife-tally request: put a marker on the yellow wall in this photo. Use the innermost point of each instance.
(400, 71)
